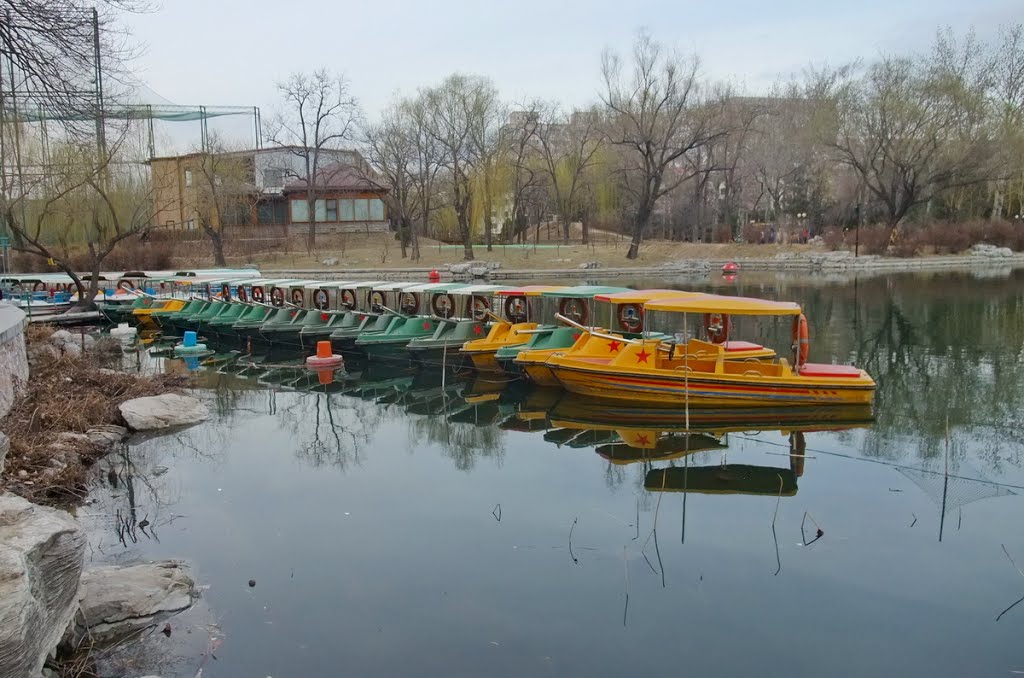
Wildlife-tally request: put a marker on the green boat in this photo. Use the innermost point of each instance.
(376, 308)
(423, 308)
(473, 304)
(282, 328)
(328, 311)
(573, 302)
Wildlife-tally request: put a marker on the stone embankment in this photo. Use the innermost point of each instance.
(980, 257)
(47, 597)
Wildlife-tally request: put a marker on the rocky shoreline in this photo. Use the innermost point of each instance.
(54, 611)
(978, 258)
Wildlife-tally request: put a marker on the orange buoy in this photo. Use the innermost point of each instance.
(325, 358)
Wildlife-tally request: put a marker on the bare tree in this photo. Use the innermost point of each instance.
(455, 107)
(520, 142)
(391, 151)
(427, 162)
(51, 48)
(487, 134)
(912, 129)
(659, 114)
(319, 115)
(226, 194)
(569, 146)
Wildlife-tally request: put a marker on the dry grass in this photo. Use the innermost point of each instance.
(382, 251)
(65, 394)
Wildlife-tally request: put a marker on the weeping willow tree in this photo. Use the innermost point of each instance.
(88, 203)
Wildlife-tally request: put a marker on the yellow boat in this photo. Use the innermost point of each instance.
(519, 314)
(624, 313)
(701, 374)
(143, 313)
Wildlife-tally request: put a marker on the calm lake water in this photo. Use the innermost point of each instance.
(398, 527)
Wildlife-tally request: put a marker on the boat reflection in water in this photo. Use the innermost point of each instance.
(620, 433)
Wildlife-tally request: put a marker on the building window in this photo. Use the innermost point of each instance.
(300, 211)
(332, 210)
(272, 213)
(273, 177)
(188, 177)
(362, 210)
(376, 210)
(345, 210)
(321, 210)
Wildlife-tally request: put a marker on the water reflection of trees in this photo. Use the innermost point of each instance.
(940, 346)
(464, 443)
(330, 430)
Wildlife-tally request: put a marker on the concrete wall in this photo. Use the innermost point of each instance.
(13, 360)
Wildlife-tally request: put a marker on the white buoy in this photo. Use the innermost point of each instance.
(123, 331)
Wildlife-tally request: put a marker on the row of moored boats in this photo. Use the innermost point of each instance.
(653, 347)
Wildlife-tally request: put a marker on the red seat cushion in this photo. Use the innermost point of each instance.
(821, 370)
(742, 346)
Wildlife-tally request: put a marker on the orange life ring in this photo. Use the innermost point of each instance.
(297, 297)
(574, 309)
(409, 303)
(257, 294)
(277, 296)
(321, 300)
(516, 309)
(716, 327)
(480, 306)
(801, 339)
(376, 300)
(348, 299)
(631, 317)
(39, 287)
(241, 294)
(443, 305)
(125, 284)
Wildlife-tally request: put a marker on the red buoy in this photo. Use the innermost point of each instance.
(434, 276)
(731, 267)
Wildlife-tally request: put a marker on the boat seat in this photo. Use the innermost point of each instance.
(741, 346)
(822, 370)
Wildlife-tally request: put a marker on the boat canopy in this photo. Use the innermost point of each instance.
(365, 284)
(482, 290)
(528, 290)
(640, 296)
(431, 287)
(391, 286)
(583, 291)
(714, 303)
(329, 284)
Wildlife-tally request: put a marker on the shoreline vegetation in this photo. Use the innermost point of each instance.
(66, 418)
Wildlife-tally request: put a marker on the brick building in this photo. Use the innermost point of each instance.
(267, 191)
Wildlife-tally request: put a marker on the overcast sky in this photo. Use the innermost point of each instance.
(231, 52)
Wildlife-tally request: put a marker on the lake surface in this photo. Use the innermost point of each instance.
(407, 527)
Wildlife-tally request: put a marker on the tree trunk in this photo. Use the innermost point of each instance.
(311, 232)
(585, 229)
(643, 216)
(217, 238)
(488, 219)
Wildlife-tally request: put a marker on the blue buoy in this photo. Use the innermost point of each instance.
(190, 339)
(189, 346)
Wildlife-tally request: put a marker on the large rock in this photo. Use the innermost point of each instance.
(117, 600)
(163, 411)
(106, 435)
(41, 552)
(5, 445)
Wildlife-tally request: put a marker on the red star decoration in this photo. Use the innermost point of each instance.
(426, 326)
(642, 356)
(362, 318)
(613, 346)
(324, 317)
(294, 313)
(575, 336)
(642, 440)
(477, 330)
